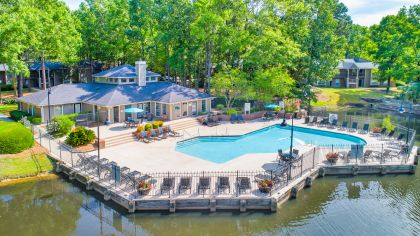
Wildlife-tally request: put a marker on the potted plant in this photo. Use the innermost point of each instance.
(376, 130)
(265, 185)
(332, 157)
(144, 187)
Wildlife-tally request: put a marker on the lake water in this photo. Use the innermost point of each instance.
(363, 205)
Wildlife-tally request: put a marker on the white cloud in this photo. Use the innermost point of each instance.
(73, 4)
(369, 12)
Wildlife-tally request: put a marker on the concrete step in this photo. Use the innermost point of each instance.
(120, 139)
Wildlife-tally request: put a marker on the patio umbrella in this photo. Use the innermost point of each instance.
(133, 110)
(271, 106)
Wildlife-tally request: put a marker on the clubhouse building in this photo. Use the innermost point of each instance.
(115, 90)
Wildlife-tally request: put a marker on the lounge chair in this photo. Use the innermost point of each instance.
(280, 154)
(172, 132)
(306, 120)
(243, 184)
(343, 125)
(184, 184)
(314, 120)
(353, 127)
(295, 153)
(168, 184)
(233, 118)
(223, 183)
(203, 184)
(390, 134)
(154, 135)
(145, 138)
(162, 133)
(367, 154)
(333, 124)
(365, 129)
(240, 118)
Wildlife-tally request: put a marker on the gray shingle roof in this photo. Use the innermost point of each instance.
(113, 95)
(123, 71)
(356, 63)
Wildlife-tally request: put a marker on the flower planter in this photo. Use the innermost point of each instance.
(332, 157)
(144, 191)
(265, 185)
(264, 189)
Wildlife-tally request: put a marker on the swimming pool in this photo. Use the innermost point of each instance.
(220, 149)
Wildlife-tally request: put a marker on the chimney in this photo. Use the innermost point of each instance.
(141, 73)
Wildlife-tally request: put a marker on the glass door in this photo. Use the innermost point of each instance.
(177, 108)
(194, 108)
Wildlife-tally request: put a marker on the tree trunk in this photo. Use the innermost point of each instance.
(44, 79)
(388, 85)
(208, 66)
(20, 88)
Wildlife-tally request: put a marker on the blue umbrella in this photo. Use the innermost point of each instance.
(133, 110)
(271, 106)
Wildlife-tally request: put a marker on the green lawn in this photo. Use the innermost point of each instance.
(5, 109)
(19, 167)
(345, 96)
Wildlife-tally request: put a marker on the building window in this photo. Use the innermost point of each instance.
(128, 115)
(353, 72)
(77, 108)
(58, 110)
(337, 83)
(203, 105)
(123, 80)
(361, 72)
(163, 109)
(147, 79)
(157, 111)
(131, 80)
(146, 107)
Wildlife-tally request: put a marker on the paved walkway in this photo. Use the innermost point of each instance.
(5, 118)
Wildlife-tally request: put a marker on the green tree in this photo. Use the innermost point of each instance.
(272, 82)
(231, 83)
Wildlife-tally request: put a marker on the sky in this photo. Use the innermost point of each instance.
(363, 12)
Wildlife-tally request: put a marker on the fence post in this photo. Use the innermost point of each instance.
(71, 158)
(382, 154)
(59, 147)
(357, 152)
(40, 144)
(169, 189)
(49, 143)
(301, 166)
(313, 158)
(237, 177)
(332, 147)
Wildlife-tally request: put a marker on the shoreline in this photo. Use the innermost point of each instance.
(40, 177)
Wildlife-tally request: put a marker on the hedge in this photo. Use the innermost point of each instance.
(80, 136)
(17, 115)
(14, 138)
(61, 126)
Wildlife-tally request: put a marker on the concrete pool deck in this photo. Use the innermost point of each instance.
(161, 156)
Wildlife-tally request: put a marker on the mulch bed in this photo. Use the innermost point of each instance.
(36, 149)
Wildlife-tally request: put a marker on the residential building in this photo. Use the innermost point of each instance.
(115, 90)
(354, 73)
(55, 73)
(5, 75)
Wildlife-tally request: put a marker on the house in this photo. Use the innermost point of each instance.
(55, 74)
(353, 73)
(5, 76)
(115, 90)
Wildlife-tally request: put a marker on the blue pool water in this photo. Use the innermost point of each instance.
(268, 140)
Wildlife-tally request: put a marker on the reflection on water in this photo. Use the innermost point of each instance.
(362, 205)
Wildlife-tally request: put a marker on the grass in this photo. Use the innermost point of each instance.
(20, 167)
(345, 96)
(5, 109)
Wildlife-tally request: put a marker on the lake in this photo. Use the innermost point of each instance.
(363, 205)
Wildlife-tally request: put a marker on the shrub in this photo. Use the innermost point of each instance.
(35, 120)
(9, 101)
(17, 115)
(231, 111)
(14, 138)
(80, 136)
(6, 87)
(220, 107)
(140, 128)
(386, 123)
(148, 127)
(60, 126)
(202, 113)
(157, 124)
